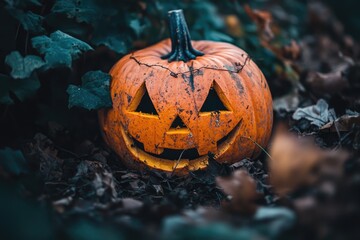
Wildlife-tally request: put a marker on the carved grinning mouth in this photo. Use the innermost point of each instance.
(137, 148)
(171, 154)
(142, 106)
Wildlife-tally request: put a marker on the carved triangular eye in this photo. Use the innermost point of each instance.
(178, 123)
(215, 100)
(142, 102)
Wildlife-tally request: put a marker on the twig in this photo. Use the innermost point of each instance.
(177, 162)
(175, 74)
(263, 149)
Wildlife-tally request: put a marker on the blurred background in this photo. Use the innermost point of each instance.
(59, 180)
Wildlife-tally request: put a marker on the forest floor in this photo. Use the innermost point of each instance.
(63, 182)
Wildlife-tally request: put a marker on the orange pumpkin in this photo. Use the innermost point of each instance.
(174, 106)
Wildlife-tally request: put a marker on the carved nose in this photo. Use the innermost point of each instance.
(177, 124)
(178, 136)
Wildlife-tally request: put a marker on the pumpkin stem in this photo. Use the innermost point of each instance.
(181, 48)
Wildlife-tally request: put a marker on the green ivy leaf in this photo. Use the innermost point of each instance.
(88, 11)
(209, 17)
(22, 3)
(13, 161)
(217, 36)
(60, 49)
(30, 21)
(22, 67)
(21, 88)
(109, 32)
(138, 26)
(80, 10)
(116, 42)
(94, 93)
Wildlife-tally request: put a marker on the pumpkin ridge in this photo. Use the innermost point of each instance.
(238, 67)
(254, 117)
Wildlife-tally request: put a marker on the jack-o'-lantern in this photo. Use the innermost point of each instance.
(180, 101)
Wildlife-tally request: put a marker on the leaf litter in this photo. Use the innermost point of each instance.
(307, 189)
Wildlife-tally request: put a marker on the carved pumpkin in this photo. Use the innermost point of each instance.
(174, 105)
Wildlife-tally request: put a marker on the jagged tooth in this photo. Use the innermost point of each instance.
(211, 147)
(152, 148)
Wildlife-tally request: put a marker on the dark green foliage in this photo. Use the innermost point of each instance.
(87, 230)
(23, 3)
(21, 218)
(17, 88)
(111, 38)
(22, 67)
(174, 229)
(30, 21)
(58, 180)
(270, 222)
(80, 10)
(60, 49)
(93, 92)
(13, 161)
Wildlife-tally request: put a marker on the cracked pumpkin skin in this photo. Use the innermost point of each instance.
(179, 89)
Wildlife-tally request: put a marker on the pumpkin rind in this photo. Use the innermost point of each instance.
(179, 89)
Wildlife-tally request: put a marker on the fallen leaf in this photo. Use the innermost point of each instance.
(342, 124)
(61, 204)
(241, 190)
(43, 153)
(327, 83)
(130, 175)
(291, 51)
(297, 161)
(262, 20)
(131, 204)
(292, 161)
(158, 188)
(94, 179)
(288, 102)
(318, 114)
(103, 182)
(138, 185)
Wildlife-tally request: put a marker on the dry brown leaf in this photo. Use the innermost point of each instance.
(267, 31)
(42, 150)
(291, 51)
(288, 102)
(327, 83)
(296, 162)
(262, 20)
(292, 161)
(342, 124)
(241, 190)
